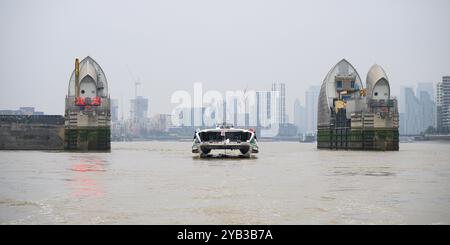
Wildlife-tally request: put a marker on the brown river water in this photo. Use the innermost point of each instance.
(286, 183)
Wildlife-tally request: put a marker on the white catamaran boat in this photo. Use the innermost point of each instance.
(225, 137)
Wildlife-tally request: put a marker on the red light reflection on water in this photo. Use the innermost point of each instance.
(86, 167)
(87, 171)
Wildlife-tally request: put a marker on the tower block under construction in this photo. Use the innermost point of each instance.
(87, 112)
(353, 117)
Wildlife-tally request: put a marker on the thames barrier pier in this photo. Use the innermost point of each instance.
(31, 132)
(87, 112)
(352, 117)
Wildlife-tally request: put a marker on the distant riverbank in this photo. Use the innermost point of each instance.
(189, 139)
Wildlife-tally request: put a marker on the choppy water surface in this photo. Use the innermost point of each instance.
(287, 183)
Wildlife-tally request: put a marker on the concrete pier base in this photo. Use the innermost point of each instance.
(34, 132)
(88, 110)
(379, 139)
(87, 139)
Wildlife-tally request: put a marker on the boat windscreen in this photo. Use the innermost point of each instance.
(238, 136)
(211, 136)
(218, 136)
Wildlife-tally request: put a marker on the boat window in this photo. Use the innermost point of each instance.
(211, 136)
(237, 136)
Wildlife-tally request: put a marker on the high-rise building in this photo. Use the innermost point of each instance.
(439, 93)
(185, 117)
(160, 122)
(197, 116)
(281, 113)
(419, 111)
(299, 116)
(230, 111)
(235, 112)
(139, 109)
(311, 99)
(224, 112)
(443, 95)
(427, 111)
(114, 110)
(411, 116)
(401, 102)
(426, 87)
(263, 108)
(439, 106)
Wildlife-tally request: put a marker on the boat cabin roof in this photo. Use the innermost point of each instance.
(226, 130)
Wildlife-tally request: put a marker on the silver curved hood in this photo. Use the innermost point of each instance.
(89, 68)
(375, 75)
(328, 90)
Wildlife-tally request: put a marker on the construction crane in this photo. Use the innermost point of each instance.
(135, 81)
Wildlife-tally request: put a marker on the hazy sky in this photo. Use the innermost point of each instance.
(225, 44)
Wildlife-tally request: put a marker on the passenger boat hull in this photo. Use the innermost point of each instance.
(222, 139)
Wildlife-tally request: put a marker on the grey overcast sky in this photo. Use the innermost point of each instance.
(225, 44)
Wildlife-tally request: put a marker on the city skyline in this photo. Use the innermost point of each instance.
(420, 106)
(225, 45)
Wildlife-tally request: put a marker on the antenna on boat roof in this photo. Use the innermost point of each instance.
(224, 125)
